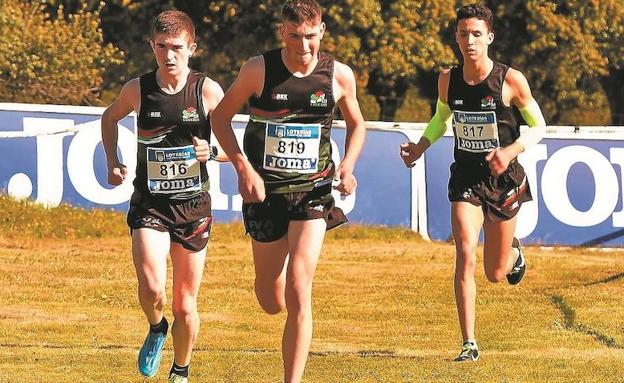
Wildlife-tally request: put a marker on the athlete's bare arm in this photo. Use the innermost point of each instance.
(345, 93)
(411, 152)
(516, 91)
(211, 96)
(443, 84)
(249, 82)
(129, 99)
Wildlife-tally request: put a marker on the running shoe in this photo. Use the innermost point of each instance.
(469, 352)
(175, 378)
(151, 353)
(519, 268)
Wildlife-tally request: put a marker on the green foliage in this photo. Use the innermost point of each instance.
(389, 44)
(57, 61)
(368, 105)
(571, 51)
(414, 108)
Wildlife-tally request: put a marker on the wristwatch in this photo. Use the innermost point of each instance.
(214, 152)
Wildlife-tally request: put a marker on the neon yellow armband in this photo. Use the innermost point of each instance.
(438, 123)
(537, 125)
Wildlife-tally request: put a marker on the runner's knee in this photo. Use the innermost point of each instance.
(270, 298)
(298, 295)
(466, 259)
(494, 275)
(152, 293)
(184, 309)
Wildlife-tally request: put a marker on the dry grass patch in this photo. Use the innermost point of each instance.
(383, 303)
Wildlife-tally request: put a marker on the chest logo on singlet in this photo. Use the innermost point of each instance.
(292, 148)
(279, 96)
(488, 103)
(318, 99)
(190, 115)
(154, 114)
(172, 170)
(475, 132)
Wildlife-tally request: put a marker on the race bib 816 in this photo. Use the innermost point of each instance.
(172, 170)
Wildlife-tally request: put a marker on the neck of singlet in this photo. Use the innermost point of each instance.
(487, 66)
(179, 81)
(310, 68)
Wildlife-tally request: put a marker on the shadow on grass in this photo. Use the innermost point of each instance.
(569, 317)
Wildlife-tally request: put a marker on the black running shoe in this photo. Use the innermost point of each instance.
(519, 267)
(470, 352)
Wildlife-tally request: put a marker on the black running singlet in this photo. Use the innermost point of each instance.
(287, 137)
(481, 122)
(166, 163)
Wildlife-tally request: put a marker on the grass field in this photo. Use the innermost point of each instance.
(383, 304)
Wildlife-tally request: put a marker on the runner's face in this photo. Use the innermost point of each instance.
(172, 52)
(473, 38)
(302, 41)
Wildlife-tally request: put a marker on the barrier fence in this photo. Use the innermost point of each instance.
(53, 154)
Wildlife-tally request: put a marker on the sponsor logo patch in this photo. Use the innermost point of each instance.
(190, 115)
(488, 103)
(318, 99)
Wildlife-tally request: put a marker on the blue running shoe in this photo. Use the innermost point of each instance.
(151, 352)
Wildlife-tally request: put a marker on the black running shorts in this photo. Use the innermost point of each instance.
(500, 197)
(188, 221)
(268, 221)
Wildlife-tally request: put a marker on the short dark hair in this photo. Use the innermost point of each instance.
(173, 22)
(301, 11)
(478, 11)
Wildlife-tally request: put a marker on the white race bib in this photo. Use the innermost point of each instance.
(172, 170)
(292, 148)
(476, 132)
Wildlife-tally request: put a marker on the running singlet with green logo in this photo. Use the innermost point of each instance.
(166, 163)
(287, 137)
(481, 122)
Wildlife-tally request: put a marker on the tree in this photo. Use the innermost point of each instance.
(392, 45)
(58, 61)
(570, 51)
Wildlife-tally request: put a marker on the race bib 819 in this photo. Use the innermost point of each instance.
(292, 148)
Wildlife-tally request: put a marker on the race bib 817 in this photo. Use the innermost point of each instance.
(475, 132)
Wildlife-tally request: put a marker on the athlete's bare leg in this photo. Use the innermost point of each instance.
(305, 240)
(269, 263)
(466, 222)
(149, 254)
(188, 268)
(498, 256)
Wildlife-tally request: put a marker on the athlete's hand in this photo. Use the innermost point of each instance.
(202, 149)
(345, 179)
(410, 153)
(251, 186)
(498, 161)
(117, 173)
